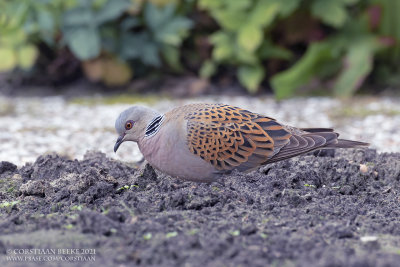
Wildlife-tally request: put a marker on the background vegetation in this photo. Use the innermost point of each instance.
(290, 46)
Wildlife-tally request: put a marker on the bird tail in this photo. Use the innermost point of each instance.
(315, 139)
(343, 143)
(332, 141)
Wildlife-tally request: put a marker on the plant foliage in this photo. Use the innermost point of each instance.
(285, 44)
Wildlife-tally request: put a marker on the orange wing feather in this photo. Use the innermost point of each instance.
(233, 138)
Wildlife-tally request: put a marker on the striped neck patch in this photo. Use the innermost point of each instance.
(154, 126)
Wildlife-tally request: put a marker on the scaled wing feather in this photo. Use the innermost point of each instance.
(233, 138)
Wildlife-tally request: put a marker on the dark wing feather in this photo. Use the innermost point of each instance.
(300, 144)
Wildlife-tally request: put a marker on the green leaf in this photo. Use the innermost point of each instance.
(15, 12)
(269, 50)
(241, 5)
(350, 2)
(288, 6)
(230, 19)
(264, 13)
(46, 25)
(225, 4)
(86, 4)
(171, 55)
(8, 59)
(223, 49)
(30, 25)
(251, 77)
(110, 39)
(140, 45)
(78, 16)
(156, 17)
(173, 30)
(210, 4)
(112, 10)
(390, 20)
(132, 44)
(285, 83)
(229, 14)
(331, 12)
(357, 65)
(27, 56)
(45, 20)
(66, 4)
(250, 37)
(13, 38)
(235, 233)
(84, 42)
(150, 55)
(167, 27)
(171, 234)
(97, 4)
(244, 57)
(128, 23)
(147, 236)
(208, 69)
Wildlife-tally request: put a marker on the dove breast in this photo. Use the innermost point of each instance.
(167, 151)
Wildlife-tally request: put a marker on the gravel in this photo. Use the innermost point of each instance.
(30, 127)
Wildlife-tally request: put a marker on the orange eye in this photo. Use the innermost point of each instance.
(128, 125)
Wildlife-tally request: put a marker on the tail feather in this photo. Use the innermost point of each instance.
(343, 143)
(312, 139)
(317, 130)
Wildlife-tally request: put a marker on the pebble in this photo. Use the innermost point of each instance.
(366, 239)
(363, 168)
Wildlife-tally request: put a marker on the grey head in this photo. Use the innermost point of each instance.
(131, 124)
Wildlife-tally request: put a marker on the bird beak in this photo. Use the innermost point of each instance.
(119, 142)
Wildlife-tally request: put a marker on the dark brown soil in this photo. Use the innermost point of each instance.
(307, 211)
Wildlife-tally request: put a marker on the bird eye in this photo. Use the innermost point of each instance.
(128, 125)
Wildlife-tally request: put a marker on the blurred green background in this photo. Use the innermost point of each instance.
(292, 47)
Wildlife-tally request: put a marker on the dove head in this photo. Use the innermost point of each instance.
(131, 124)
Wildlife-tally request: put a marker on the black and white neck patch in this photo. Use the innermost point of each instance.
(154, 126)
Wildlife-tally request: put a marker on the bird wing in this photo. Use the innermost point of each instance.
(233, 138)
